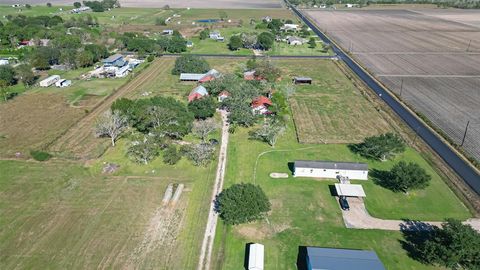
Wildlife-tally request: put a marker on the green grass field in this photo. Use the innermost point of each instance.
(304, 212)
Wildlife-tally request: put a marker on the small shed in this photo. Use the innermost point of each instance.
(342, 259)
(49, 81)
(63, 83)
(168, 32)
(302, 80)
(255, 257)
(295, 41)
(330, 169)
(350, 190)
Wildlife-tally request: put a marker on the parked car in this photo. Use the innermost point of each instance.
(344, 203)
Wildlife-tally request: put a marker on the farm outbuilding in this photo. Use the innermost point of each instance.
(63, 83)
(197, 93)
(302, 80)
(200, 77)
(255, 257)
(342, 259)
(49, 81)
(115, 60)
(330, 169)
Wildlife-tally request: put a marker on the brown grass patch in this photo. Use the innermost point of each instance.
(33, 120)
(254, 231)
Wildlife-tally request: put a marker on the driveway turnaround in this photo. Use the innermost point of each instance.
(359, 218)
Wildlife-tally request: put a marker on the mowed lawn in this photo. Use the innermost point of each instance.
(331, 110)
(304, 212)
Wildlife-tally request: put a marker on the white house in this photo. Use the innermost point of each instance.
(4, 62)
(255, 257)
(63, 83)
(330, 169)
(295, 41)
(122, 72)
(289, 27)
(215, 35)
(49, 81)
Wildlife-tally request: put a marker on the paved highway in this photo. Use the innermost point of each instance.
(460, 166)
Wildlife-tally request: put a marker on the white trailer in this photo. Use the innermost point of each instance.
(255, 257)
(330, 169)
(49, 81)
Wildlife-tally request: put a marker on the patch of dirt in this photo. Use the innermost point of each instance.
(254, 231)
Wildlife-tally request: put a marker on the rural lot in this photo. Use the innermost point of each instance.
(431, 59)
(254, 4)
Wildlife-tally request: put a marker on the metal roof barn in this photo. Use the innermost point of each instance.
(350, 190)
(255, 257)
(342, 259)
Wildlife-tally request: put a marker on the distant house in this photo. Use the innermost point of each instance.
(63, 83)
(330, 169)
(197, 93)
(223, 95)
(251, 75)
(26, 43)
(215, 35)
(349, 5)
(168, 32)
(267, 19)
(302, 80)
(122, 72)
(115, 60)
(200, 77)
(317, 258)
(260, 105)
(189, 44)
(295, 41)
(289, 27)
(49, 81)
(4, 62)
(80, 10)
(255, 256)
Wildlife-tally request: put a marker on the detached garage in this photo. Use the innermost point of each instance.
(330, 169)
(255, 257)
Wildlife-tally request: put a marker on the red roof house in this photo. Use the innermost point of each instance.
(197, 93)
(223, 95)
(260, 105)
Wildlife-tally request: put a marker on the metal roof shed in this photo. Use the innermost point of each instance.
(255, 257)
(342, 259)
(350, 190)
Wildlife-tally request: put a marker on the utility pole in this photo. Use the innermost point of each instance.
(401, 87)
(465, 134)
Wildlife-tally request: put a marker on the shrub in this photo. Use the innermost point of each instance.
(171, 156)
(203, 108)
(40, 155)
(242, 203)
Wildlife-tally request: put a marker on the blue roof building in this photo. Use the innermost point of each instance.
(342, 259)
(115, 60)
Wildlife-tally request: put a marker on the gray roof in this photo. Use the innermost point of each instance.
(302, 78)
(112, 58)
(331, 165)
(201, 90)
(191, 76)
(343, 259)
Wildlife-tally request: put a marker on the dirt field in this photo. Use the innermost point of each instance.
(332, 109)
(175, 4)
(430, 57)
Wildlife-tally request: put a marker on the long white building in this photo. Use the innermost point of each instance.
(49, 81)
(330, 169)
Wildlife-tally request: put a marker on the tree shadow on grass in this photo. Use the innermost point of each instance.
(415, 233)
(383, 179)
(291, 167)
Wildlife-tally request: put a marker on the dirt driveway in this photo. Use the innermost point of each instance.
(359, 218)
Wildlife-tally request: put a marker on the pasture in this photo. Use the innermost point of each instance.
(304, 212)
(331, 110)
(228, 4)
(428, 59)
